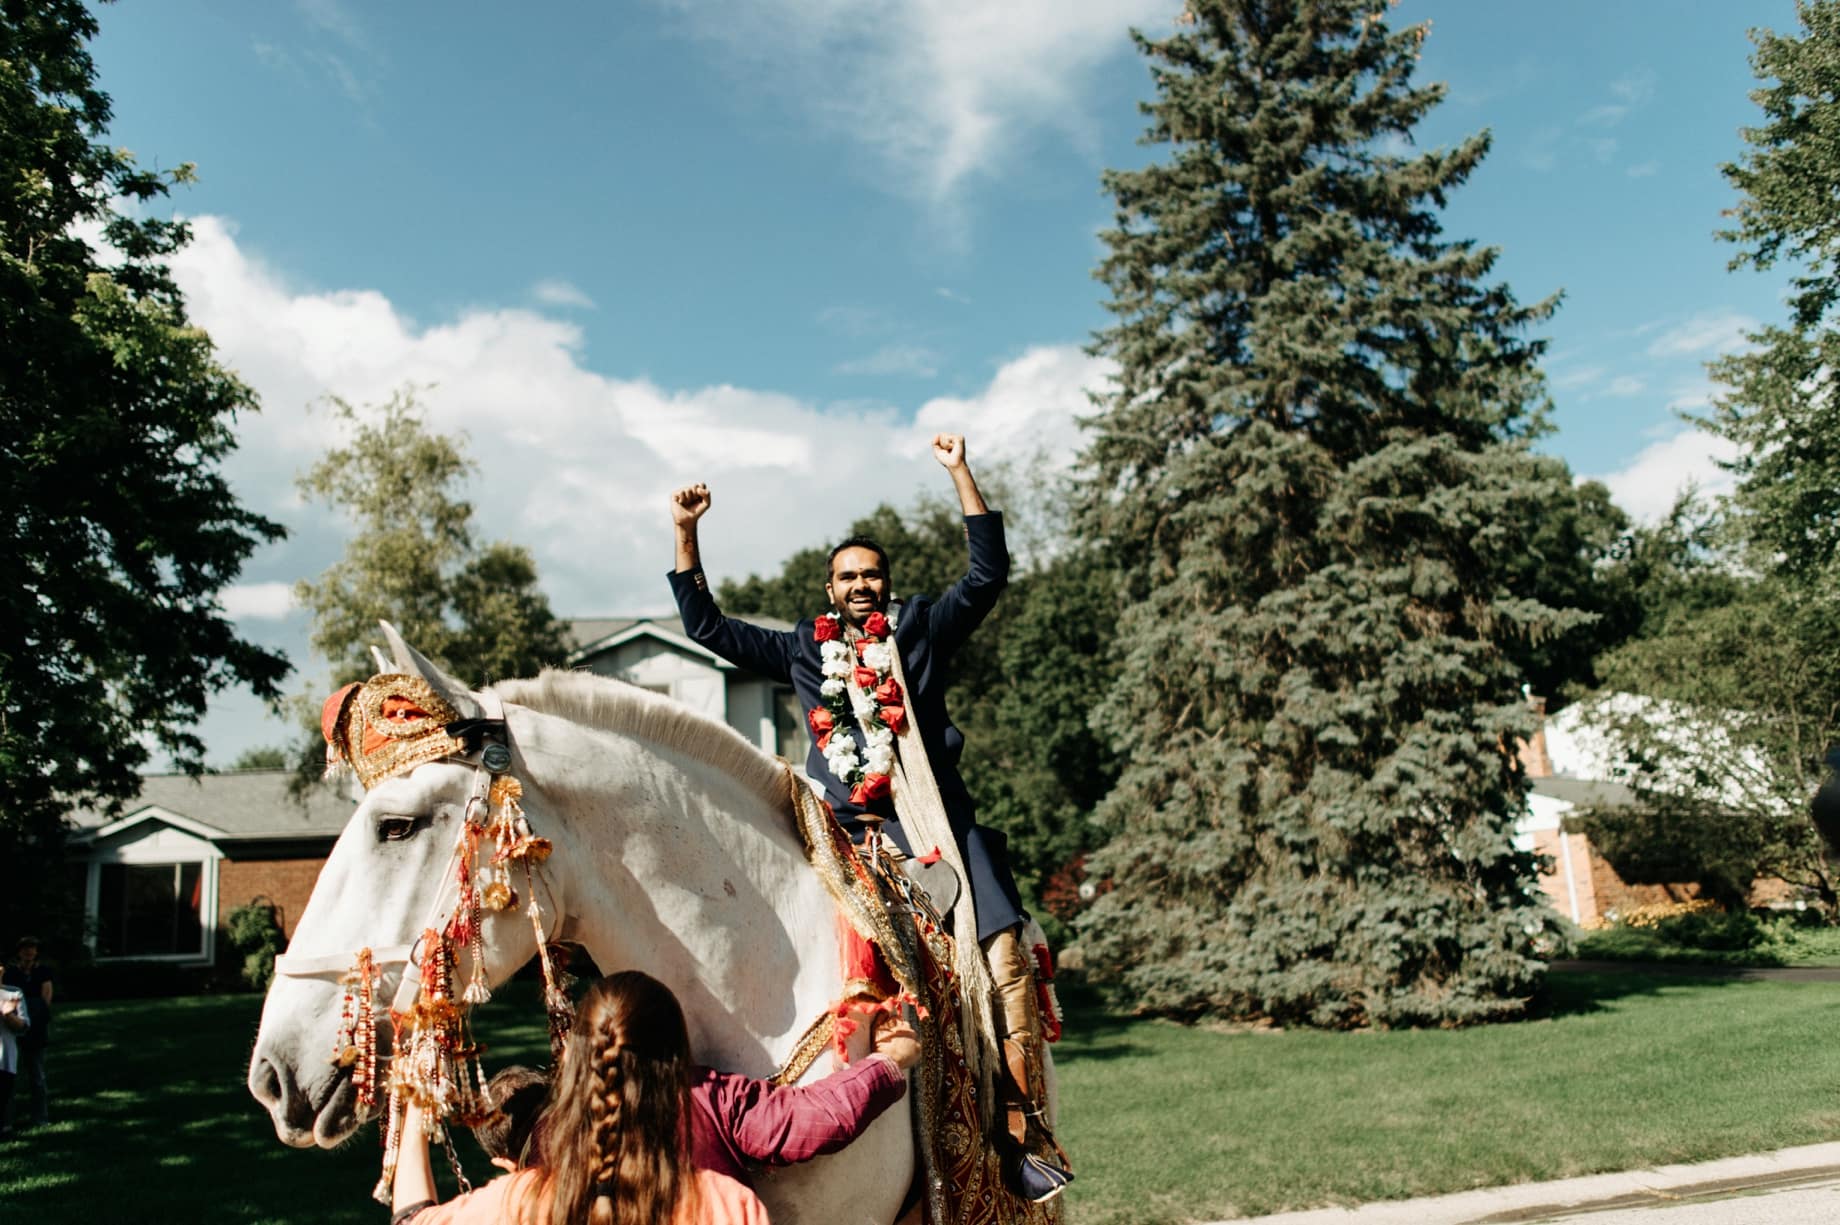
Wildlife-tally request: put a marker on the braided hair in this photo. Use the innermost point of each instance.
(613, 1139)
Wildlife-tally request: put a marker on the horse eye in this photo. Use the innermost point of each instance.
(395, 829)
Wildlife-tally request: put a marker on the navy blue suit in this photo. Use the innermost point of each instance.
(927, 631)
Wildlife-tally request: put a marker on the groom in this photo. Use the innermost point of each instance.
(851, 686)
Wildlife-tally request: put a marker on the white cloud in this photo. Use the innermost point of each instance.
(1625, 385)
(1636, 87)
(940, 89)
(1028, 414)
(258, 601)
(557, 292)
(1643, 170)
(855, 320)
(1602, 148)
(895, 359)
(1584, 376)
(1606, 116)
(1710, 332)
(335, 19)
(1647, 486)
(574, 463)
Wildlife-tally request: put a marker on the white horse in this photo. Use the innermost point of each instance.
(673, 853)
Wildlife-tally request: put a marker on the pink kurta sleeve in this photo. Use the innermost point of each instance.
(778, 1126)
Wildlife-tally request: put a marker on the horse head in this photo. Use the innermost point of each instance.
(393, 875)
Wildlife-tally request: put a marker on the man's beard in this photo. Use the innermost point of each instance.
(852, 618)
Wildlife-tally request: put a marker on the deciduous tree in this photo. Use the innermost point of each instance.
(1741, 633)
(413, 559)
(117, 527)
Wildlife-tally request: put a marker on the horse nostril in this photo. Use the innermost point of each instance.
(265, 1082)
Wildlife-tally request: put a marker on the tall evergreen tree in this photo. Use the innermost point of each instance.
(1310, 475)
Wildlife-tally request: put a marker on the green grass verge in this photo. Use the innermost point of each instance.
(1164, 1122)
(1168, 1123)
(1781, 943)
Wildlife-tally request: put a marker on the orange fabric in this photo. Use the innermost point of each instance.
(721, 1201)
(334, 710)
(862, 961)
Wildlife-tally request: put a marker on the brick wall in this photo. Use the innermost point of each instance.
(1563, 850)
(1614, 893)
(285, 882)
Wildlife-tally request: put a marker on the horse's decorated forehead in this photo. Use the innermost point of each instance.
(388, 725)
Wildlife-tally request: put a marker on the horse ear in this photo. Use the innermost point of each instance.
(381, 660)
(413, 662)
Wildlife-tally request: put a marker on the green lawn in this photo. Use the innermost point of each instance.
(1783, 943)
(1165, 1123)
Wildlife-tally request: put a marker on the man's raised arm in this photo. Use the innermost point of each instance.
(687, 506)
(758, 650)
(968, 601)
(949, 450)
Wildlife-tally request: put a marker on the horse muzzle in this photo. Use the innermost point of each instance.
(323, 1115)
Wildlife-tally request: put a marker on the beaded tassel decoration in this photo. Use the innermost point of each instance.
(556, 1000)
(436, 1065)
(357, 1043)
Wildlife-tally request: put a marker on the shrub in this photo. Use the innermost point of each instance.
(255, 933)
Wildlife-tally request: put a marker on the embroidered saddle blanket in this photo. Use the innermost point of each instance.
(906, 955)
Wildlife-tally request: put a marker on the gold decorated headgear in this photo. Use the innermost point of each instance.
(389, 725)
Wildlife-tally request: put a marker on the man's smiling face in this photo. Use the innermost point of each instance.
(859, 584)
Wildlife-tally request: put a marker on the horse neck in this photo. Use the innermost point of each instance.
(681, 870)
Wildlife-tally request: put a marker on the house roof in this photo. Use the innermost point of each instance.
(1584, 792)
(238, 805)
(589, 636)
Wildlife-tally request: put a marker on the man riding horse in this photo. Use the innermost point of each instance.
(871, 675)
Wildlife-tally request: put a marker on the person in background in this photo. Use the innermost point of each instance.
(34, 979)
(12, 1023)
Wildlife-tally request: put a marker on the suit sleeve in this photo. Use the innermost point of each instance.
(968, 601)
(798, 1122)
(768, 652)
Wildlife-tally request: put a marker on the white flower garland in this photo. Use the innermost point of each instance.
(858, 684)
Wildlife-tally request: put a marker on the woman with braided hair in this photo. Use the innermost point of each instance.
(612, 1143)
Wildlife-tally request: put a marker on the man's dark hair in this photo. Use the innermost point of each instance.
(858, 542)
(26, 942)
(516, 1096)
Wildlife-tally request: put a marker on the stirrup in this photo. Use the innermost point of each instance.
(1037, 1179)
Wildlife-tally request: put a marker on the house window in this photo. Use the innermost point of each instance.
(789, 729)
(150, 910)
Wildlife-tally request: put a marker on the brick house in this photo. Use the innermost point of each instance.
(1571, 764)
(654, 654)
(161, 879)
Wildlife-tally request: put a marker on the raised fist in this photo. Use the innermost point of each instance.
(949, 450)
(688, 504)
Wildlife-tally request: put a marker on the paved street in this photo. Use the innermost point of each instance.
(1797, 1186)
(1796, 1203)
(1789, 1200)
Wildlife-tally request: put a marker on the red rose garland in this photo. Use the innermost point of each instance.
(858, 684)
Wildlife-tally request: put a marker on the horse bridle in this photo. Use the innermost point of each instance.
(488, 750)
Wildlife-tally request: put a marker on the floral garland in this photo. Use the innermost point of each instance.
(858, 666)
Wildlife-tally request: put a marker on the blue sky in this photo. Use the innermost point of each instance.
(774, 243)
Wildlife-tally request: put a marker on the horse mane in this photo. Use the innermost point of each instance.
(613, 705)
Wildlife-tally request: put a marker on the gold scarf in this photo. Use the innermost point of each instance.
(922, 813)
